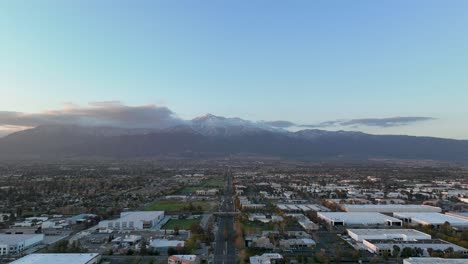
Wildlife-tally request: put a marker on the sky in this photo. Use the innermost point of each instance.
(350, 65)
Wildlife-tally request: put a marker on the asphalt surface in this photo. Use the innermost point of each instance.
(225, 251)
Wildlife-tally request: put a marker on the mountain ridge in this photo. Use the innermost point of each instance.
(234, 139)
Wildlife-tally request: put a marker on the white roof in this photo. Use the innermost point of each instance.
(392, 207)
(434, 261)
(355, 217)
(68, 258)
(140, 215)
(433, 218)
(186, 257)
(363, 232)
(15, 239)
(162, 243)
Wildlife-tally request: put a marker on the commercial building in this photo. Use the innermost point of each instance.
(68, 258)
(434, 219)
(163, 245)
(304, 222)
(210, 192)
(267, 258)
(434, 261)
(379, 246)
(183, 259)
(13, 244)
(396, 234)
(139, 220)
(462, 215)
(296, 243)
(390, 208)
(358, 219)
(303, 207)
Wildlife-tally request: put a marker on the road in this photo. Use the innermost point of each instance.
(225, 251)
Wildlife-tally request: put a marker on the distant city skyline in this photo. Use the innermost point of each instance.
(396, 67)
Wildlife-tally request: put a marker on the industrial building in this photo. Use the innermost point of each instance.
(397, 234)
(303, 207)
(434, 261)
(434, 219)
(296, 243)
(60, 258)
(163, 245)
(139, 220)
(379, 246)
(13, 244)
(390, 208)
(358, 219)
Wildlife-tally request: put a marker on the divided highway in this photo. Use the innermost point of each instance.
(225, 251)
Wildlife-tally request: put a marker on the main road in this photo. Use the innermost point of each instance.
(225, 251)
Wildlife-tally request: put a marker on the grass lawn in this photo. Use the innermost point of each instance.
(181, 223)
(176, 205)
(214, 183)
(208, 184)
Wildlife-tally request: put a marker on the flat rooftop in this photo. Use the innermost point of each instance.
(434, 261)
(363, 232)
(432, 218)
(140, 215)
(68, 258)
(16, 238)
(358, 217)
(409, 242)
(416, 207)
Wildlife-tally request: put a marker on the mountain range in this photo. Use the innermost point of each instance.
(210, 135)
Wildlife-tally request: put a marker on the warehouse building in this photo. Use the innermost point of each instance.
(13, 244)
(379, 246)
(358, 219)
(397, 234)
(60, 258)
(434, 219)
(434, 261)
(139, 220)
(390, 208)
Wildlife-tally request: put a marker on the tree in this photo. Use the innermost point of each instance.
(396, 251)
(408, 252)
(143, 248)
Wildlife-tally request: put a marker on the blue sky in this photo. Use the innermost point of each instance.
(302, 61)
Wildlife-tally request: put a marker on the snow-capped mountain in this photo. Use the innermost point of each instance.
(212, 125)
(211, 135)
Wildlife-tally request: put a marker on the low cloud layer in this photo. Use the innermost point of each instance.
(116, 114)
(109, 113)
(373, 122)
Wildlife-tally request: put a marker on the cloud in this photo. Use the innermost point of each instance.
(279, 123)
(374, 122)
(108, 113)
(386, 122)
